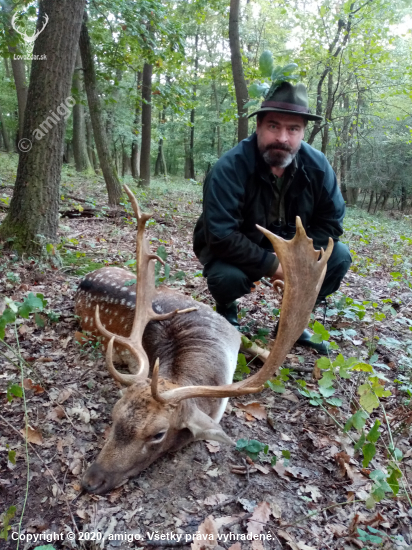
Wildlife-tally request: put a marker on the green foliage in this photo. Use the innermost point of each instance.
(251, 447)
(241, 368)
(6, 519)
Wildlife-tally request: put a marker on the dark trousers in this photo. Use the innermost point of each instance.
(227, 282)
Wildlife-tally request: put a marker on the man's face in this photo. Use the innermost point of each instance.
(279, 137)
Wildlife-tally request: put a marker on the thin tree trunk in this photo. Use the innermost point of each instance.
(113, 186)
(33, 217)
(91, 152)
(135, 160)
(81, 158)
(6, 67)
(146, 125)
(237, 70)
(371, 201)
(4, 132)
(404, 198)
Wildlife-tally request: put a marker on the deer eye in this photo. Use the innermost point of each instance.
(158, 437)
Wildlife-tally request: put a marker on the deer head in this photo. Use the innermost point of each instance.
(155, 416)
(29, 39)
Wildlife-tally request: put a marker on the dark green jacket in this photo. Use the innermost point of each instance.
(238, 194)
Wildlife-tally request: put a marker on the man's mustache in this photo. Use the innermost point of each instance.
(281, 146)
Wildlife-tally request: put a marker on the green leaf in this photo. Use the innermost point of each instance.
(360, 442)
(359, 419)
(370, 503)
(323, 363)
(286, 454)
(39, 320)
(368, 399)
(392, 480)
(369, 451)
(7, 517)
(266, 63)
(12, 456)
(327, 379)
(130, 283)
(276, 385)
(327, 392)
(364, 367)
(14, 390)
(161, 252)
(374, 433)
(334, 401)
(273, 461)
(31, 303)
(319, 329)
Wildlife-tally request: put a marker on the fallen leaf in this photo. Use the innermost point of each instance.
(64, 395)
(259, 518)
(23, 330)
(235, 546)
(213, 500)
(207, 528)
(32, 436)
(213, 473)
(249, 417)
(337, 529)
(76, 466)
(80, 337)
(254, 409)
(316, 373)
(289, 396)
(262, 469)
(298, 472)
(224, 520)
(285, 437)
(82, 513)
(248, 505)
(275, 510)
(212, 446)
(313, 490)
(303, 546)
(29, 385)
(342, 459)
(281, 471)
(81, 412)
(65, 341)
(257, 545)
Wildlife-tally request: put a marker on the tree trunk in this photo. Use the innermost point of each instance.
(6, 67)
(135, 160)
(146, 125)
(81, 158)
(91, 152)
(404, 198)
(237, 70)
(4, 132)
(113, 186)
(33, 217)
(371, 201)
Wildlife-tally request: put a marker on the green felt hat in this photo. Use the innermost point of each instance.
(287, 98)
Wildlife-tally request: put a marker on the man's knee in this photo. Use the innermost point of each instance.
(338, 266)
(226, 282)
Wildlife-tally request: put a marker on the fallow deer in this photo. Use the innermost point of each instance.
(189, 351)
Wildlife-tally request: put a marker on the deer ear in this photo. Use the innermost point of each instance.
(203, 427)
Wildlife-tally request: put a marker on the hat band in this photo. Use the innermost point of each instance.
(286, 106)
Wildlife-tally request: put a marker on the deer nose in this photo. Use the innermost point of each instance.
(95, 480)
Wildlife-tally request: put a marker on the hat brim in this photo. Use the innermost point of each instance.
(307, 116)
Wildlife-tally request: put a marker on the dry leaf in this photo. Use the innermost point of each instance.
(64, 395)
(81, 412)
(275, 510)
(76, 466)
(285, 437)
(82, 513)
(262, 469)
(213, 500)
(65, 341)
(281, 471)
(342, 459)
(337, 529)
(298, 472)
(303, 546)
(224, 520)
(213, 473)
(33, 436)
(212, 446)
(29, 385)
(249, 417)
(289, 396)
(254, 409)
(257, 545)
(316, 373)
(259, 518)
(208, 531)
(23, 330)
(80, 337)
(313, 490)
(235, 546)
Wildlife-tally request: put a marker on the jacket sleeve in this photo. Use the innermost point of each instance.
(327, 219)
(223, 202)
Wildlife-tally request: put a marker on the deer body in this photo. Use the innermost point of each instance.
(196, 348)
(189, 352)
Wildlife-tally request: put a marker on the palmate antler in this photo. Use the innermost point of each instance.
(304, 269)
(145, 292)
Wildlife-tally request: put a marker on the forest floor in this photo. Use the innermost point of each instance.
(306, 486)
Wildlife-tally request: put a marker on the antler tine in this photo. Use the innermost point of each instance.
(145, 292)
(154, 383)
(304, 269)
(125, 379)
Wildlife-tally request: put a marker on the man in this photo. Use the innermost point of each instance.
(268, 179)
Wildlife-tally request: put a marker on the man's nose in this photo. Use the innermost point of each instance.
(282, 135)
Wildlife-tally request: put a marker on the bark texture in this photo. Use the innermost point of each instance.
(146, 124)
(237, 70)
(33, 217)
(114, 189)
(81, 158)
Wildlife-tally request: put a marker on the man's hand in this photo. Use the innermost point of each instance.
(278, 275)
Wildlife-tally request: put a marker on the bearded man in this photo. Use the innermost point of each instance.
(268, 179)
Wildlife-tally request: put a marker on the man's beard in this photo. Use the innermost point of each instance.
(278, 155)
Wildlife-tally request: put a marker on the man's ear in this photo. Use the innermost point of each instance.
(203, 427)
